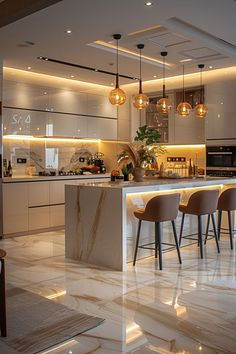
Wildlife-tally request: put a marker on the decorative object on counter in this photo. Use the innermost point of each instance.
(30, 169)
(190, 169)
(142, 151)
(201, 108)
(4, 165)
(163, 105)
(117, 96)
(114, 175)
(127, 171)
(184, 107)
(141, 100)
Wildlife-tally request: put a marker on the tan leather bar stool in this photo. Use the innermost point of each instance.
(226, 202)
(159, 209)
(201, 203)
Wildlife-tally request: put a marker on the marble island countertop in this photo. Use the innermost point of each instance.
(161, 184)
(25, 178)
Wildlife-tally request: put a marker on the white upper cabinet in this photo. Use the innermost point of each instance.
(189, 130)
(221, 121)
(65, 125)
(68, 101)
(102, 128)
(21, 95)
(100, 106)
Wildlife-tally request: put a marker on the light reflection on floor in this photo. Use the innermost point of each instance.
(183, 309)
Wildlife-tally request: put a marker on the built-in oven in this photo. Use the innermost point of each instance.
(221, 161)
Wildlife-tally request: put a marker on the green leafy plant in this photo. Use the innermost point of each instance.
(145, 148)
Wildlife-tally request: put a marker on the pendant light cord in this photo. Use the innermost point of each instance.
(202, 98)
(117, 67)
(183, 86)
(140, 72)
(164, 76)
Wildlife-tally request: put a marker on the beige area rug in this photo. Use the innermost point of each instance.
(35, 324)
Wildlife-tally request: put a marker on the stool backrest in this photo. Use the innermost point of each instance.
(162, 208)
(227, 200)
(203, 202)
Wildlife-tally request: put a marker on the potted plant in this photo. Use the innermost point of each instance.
(142, 151)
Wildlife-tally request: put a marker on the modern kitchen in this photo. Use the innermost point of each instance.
(118, 177)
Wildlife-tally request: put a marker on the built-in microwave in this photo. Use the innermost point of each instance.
(221, 160)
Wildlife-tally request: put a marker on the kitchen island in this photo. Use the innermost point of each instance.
(100, 225)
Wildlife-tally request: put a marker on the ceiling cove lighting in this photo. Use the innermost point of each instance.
(201, 109)
(117, 96)
(163, 105)
(141, 100)
(184, 107)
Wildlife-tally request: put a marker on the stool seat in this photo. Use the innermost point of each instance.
(201, 203)
(158, 209)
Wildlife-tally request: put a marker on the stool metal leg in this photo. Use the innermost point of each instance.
(215, 233)
(3, 321)
(137, 242)
(219, 223)
(230, 229)
(207, 228)
(200, 234)
(156, 239)
(176, 240)
(181, 229)
(159, 239)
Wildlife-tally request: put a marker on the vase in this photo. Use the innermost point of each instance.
(138, 174)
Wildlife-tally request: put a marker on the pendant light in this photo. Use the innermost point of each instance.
(117, 96)
(163, 105)
(141, 100)
(201, 108)
(184, 107)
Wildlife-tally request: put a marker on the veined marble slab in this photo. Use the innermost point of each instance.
(100, 225)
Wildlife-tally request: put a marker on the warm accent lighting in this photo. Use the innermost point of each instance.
(163, 105)
(184, 107)
(201, 109)
(117, 96)
(50, 139)
(141, 100)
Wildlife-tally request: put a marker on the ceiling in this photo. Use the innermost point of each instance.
(188, 29)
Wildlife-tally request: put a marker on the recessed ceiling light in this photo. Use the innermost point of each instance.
(68, 31)
(210, 67)
(148, 3)
(184, 60)
(112, 83)
(154, 76)
(45, 93)
(72, 76)
(29, 68)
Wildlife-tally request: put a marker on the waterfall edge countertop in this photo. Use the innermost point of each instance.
(100, 227)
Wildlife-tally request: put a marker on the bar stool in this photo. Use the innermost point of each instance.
(201, 203)
(159, 209)
(3, 321)
(226, 202)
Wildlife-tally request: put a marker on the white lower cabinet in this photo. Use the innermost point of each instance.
(15, 208)
(57, 215)
(57, 192)
(38, 193)
(39, 218)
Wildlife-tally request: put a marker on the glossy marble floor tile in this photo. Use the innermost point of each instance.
(183, 309)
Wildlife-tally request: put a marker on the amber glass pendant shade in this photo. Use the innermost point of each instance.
(184, 108)
(117, 97)
(163, 105)
(201, 110)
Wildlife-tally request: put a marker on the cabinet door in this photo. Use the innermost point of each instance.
(39, 218)
(57, 192)
(190, 130)
(102, 128)
(57, 215)
(24, 122)
(68, 101)
(22, 95)
(99, 105)
(38, 193)
(64, 125)
(15, 207)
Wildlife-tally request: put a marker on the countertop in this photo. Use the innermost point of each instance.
(160, 184)
(53, 178)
